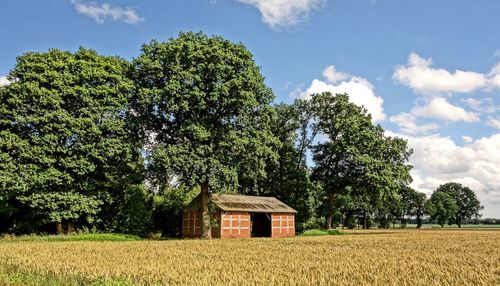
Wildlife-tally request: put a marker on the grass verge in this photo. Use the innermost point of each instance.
(320, 232)
(72, 237)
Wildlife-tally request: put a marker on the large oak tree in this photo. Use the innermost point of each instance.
(355, 155)
(468, 205)
(64, 140)
(205, 109)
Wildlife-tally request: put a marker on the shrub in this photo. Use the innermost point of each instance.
(320, 232)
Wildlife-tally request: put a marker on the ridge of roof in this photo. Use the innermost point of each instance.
(231, 202)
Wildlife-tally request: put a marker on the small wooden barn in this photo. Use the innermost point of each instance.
(237, 216)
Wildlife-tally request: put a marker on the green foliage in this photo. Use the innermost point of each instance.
(168, 206)
(127, 211)
(468, 206)
(413, 204)
(57, 206)
(96, 141)
(64, 140)
(441, 207)
(288, 177)
(206, 102)
(356, 159)
(321, 232)
(72, 237)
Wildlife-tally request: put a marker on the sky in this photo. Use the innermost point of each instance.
(427, 71)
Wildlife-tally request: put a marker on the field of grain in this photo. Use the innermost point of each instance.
(402, 257)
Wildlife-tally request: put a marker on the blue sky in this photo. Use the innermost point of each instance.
(426, 70)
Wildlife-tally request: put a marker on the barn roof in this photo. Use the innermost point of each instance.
(250, 204)
(254, 204)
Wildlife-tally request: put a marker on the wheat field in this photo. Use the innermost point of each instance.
(394, 257)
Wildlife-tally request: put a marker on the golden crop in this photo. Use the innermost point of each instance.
(412, 257)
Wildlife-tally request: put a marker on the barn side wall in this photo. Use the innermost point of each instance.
(283, 225)
(235, 225)
(191, 224)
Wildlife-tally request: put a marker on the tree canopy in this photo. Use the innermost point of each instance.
(204, 102)
(441, 207)
(65, 142)
(94, 141)
(468, 205)
(356, 156)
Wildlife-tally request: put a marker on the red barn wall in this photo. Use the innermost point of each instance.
(191, 225)
(235, 225)
(283, 225)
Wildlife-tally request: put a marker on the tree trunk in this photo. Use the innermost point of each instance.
(206, 232)
(419, 221)
(71, 227)
(59, 229)
(365, 226)
(329, 214)
(329, 221)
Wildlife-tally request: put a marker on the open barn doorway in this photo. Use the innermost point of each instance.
(261, 224)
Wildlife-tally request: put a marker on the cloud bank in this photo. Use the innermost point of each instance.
(360, 91)
(104, 12)
(407, 123)
(419, 75)
(440, 108)
(438, 160)
(285, 13)
(494, 122)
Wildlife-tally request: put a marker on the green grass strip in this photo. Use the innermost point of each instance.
(320, 232)
(72, 237)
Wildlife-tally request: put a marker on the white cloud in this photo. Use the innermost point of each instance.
(102, 13)
(440, 108)
(467, 139)
(496, 53)
(332, 75)
(483, 105)
(494, 122)
(438, 160)
(419, 75)
(360, 92)
(283, 13)
(407, 123)
(4, 81)
(494, 77)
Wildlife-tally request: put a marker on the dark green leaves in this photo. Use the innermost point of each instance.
(64, 137)
(206, 103)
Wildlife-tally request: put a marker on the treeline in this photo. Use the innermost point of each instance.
(97, 142)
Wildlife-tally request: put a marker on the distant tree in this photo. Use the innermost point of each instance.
(413, 204)
(66, 149)
(288, 177)
(441, 207)
(467, 203)
(356, 154)
(204, 103)
(335, 159)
